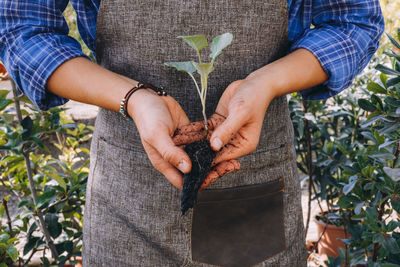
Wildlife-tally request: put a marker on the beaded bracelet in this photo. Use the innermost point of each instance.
(124, 102)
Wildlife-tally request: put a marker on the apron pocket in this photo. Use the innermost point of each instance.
(239, 226)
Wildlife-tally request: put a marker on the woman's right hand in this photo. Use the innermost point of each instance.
(157, 118)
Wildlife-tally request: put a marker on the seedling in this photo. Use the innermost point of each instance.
(199, 42)
(200, 152)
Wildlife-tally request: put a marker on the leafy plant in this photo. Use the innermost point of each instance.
(50, 190)
(200, 153)
(370, 196)
(376, 171)
(199, 42)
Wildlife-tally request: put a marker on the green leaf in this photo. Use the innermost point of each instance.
(31, 230)
(26, 203)
(204, 68)
(1, 210)
(383, 77)
(45, 198)
(58, 179)
(358, 208)
(4, 103)
(393, 41)
(4, 93)
(359, 259)
(392, 101)
(346, 201)
(391, 245)
(398, 33)
(3, 264)
(24, 98)
(65, 246)
(37, 141)
(348, 187)
(393, 81)
(186, 66)
(198, 42)
(32, 243)
(27, 124)
(219, 43)
(4, 237)
(12, 252)
(375, 100)
(55, 228)
(366, 105)
(395, 204)
(376, 88)
(387, 70)
(393, 173)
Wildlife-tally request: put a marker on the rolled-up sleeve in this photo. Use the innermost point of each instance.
(344, 37)
(34, 42)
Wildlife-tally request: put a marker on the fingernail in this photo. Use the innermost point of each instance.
(217, 143)
(183, 166)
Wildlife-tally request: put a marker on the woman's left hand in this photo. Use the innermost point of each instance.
(243, 104)
(237, 123)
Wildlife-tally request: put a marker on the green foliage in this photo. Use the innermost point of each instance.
(70, 17)
(219, 43)
(355, 144)
(199, 42)
(8, 252)
(59, 181)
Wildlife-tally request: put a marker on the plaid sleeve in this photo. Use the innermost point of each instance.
(34, 41)
(345, 36)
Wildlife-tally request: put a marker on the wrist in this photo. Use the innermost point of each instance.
(265, 84)
(136, 100)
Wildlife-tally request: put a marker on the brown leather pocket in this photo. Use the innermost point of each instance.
(238, 226)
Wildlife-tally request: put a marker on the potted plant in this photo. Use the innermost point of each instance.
(327, 136)
(377, 171)
(372, 195)
(200, 152)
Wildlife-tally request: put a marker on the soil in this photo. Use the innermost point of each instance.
(201, 155)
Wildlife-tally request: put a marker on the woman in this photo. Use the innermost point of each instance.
(132, 216)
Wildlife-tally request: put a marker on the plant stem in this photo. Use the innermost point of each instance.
(318, 201)
(8, 217)
(197, 87)
(377, 246)
(25, 154)
(203, 98)
(30, 256)
(320, 237)
(309, 166)
(396, 155)
(198, 53)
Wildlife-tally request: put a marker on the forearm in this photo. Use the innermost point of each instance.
(295, 72)
(84, 81)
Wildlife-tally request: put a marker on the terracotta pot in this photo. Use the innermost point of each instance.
(330, 242)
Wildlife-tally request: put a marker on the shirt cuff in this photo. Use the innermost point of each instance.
(337, 55)
(38, 60)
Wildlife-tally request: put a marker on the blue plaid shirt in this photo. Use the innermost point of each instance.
(34, 40)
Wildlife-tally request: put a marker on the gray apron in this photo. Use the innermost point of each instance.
(132, 214)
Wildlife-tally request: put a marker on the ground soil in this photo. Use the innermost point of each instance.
(201, 155)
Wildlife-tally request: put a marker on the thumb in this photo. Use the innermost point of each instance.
(224, 132)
